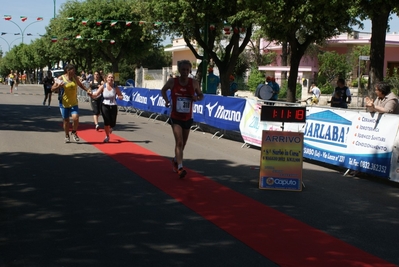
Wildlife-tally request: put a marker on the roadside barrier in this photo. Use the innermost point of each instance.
(357, 140)
(82, 94)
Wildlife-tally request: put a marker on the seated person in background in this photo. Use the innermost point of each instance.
(337, 101)
(386, 101)
(315, 93)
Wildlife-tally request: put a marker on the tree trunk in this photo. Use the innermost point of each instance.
(377, 48)
(226, 68)
(115, 69)
(89, 61)
(297, 52)
(292, 79)
(199, 77)
(284, 60)
(224, 82)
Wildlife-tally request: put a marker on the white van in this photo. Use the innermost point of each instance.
(57, 73)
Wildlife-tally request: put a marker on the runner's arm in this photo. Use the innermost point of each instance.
(57, 84)
(118, 92)
(80, 84)
(199, 95)
(98, 91)
(168, 85)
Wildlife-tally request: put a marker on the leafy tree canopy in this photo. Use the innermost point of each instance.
(333, 65)
(378, 11)
(97, 29)
(302, 23)
(205, 22)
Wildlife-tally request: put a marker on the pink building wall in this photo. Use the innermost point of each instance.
(342, 44)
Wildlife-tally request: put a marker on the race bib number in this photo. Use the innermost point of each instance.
(183, 105)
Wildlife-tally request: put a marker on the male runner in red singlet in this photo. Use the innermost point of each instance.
(184, 91)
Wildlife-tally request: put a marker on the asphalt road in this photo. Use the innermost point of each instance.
(72, 205)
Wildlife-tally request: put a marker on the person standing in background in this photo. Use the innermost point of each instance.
(40, 77)
(48, 82)
(32, 77)
(212, 82)
(90, 76)
(344, 92)
(233, 86)
(16, 77)
(102, 75)
(11, 81)
(96, 100)
(24, 77)
(276, 89)
(82, 76)
(337, 101)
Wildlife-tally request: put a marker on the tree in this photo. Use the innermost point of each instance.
(207, 23)
(103, 33)
(357, 51)
(156, 59)
(10, 60)
(378, 11)
(333, 65)
(42, 56)
(256, 77)
(302, 23)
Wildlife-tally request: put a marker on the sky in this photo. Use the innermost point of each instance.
(32, 9)
(32, 29)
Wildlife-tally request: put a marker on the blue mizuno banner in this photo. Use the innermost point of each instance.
(217, 111)
(143, 99)
(156, 102)
(223, 112)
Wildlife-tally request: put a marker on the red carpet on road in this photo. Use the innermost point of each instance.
(278, 237)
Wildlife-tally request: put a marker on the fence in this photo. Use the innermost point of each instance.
(357, 140)
(155, 79)
(82, 94)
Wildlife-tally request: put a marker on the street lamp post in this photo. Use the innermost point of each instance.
(6, 42)
(15, 40)
(9, 44)
(54, 7)
(23, 31)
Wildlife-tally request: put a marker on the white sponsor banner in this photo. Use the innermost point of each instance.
(357, 140)
(251, 127)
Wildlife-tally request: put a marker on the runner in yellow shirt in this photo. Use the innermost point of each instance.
(11, 80)
(67, 86)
